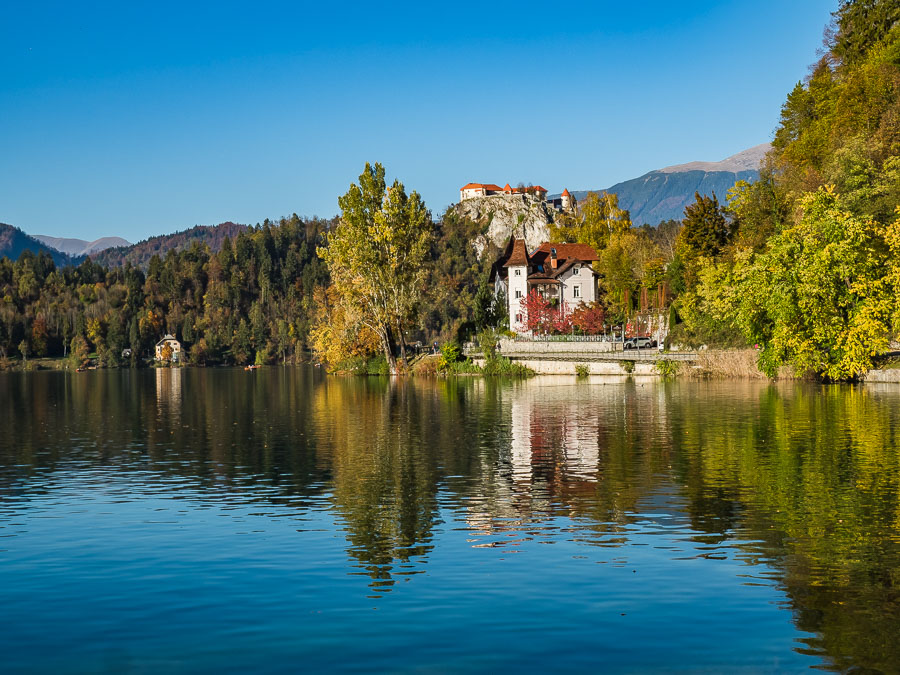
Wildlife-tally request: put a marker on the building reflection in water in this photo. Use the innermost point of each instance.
(564, 453)
(168, 391)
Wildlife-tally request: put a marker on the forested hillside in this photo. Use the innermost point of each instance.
(253, 299)
(139, 255)
(807, 265)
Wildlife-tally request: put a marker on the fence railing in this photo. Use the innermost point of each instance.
(566, 338)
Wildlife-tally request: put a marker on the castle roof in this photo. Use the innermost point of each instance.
(486, 186)
(565, 193)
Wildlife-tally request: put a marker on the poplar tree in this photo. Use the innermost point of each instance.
(377, 256)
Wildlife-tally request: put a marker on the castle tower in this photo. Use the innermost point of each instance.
(568, 201)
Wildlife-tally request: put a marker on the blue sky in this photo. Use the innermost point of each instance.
(135, 119)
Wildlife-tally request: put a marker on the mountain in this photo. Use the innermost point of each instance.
(13, 242)
(80, 247)
(662, 194)
(139, 254)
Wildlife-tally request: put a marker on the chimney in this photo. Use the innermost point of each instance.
(553, 258)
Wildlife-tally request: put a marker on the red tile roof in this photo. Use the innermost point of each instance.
(583, 252)
(517, 190)
(506, 188)
(565, 193)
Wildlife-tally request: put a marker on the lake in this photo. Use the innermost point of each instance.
(285, 520)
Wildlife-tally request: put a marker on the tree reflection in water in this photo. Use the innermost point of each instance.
(799, 481)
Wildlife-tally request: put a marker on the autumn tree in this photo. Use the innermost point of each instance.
(821, 297)
(377, 256)
(601, 218)
(590, 319)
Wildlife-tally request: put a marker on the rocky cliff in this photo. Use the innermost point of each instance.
(524, 215)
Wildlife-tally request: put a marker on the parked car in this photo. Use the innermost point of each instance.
(642, 342)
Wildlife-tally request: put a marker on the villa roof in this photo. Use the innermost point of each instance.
(486, 186)
(518, 256)
(166, 338)
(582, 252)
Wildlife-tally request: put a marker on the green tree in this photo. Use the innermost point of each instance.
(377, 255)
(601, 219)
(705, 232)
(820, 297)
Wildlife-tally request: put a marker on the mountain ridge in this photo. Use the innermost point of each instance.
(14, 241)
(80, 247)
(662, 194)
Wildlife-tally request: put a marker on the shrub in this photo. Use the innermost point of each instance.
(628, 366)
(666, 367)
(581, 370)
(503, 366)
(449, 355)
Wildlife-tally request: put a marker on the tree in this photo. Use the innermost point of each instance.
(541, 317)
(486, 311)
(821, 297)
(590, 319)
(601, 219)
(39, 334)
(23, 349)
(339, 336)
(377, 256)
(705, 232)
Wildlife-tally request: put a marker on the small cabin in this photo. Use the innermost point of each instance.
(168, 348)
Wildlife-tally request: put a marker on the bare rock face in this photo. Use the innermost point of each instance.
(524, 215)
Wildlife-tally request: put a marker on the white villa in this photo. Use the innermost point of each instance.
(173, 344)
(560, 272)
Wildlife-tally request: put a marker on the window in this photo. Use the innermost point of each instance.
(518, 318)
(518, 273)
(577, 267)
(576, 291)
(518, 294)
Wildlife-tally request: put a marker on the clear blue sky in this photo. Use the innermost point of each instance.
(135, 119)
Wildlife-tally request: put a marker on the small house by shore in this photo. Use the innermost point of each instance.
(169, 348)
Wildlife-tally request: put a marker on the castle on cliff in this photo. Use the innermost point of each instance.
(565, 202)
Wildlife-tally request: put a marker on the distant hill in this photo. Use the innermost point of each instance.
(80, 247)
(139, 254)
(13, 242)
(662, 194)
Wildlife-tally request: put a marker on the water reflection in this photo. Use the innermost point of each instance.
(799, 485)
(168, 391)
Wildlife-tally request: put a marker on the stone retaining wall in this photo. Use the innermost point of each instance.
(514, 349)
(889, 375)
(567, 367)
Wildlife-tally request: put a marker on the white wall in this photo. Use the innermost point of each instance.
(517, 283)
(586, 283)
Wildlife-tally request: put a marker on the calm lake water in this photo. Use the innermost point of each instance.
(283, 520)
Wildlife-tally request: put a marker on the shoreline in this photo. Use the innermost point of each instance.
(708, 364)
